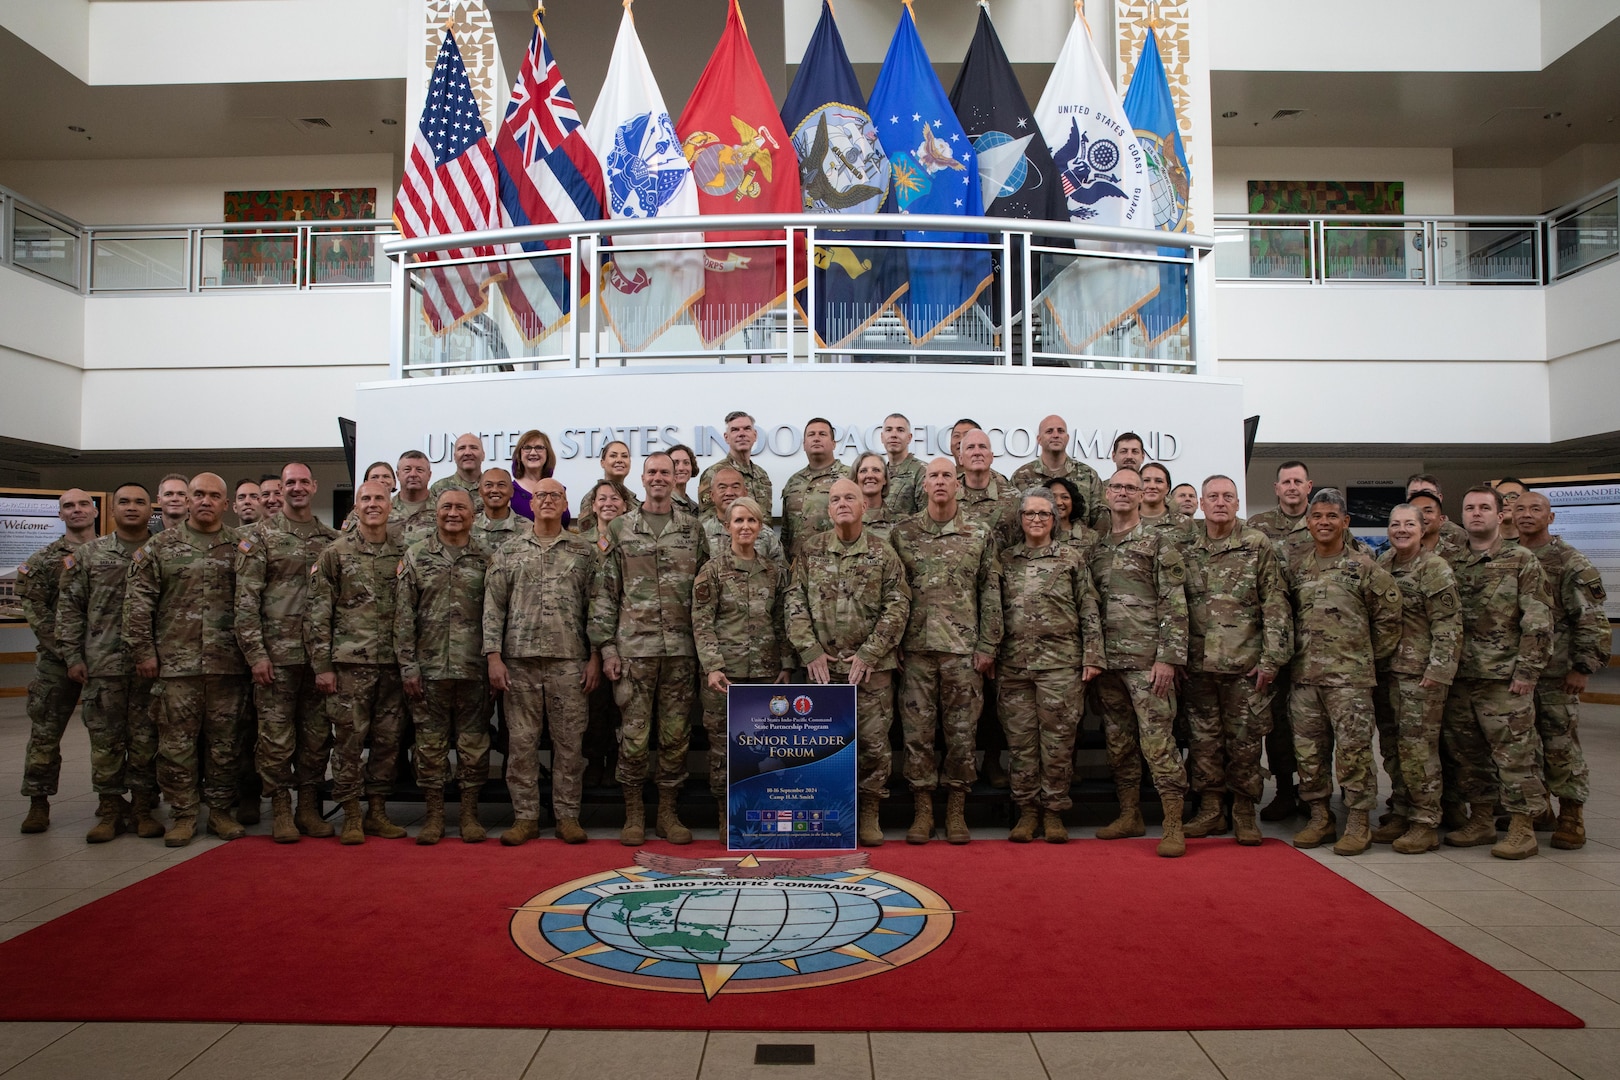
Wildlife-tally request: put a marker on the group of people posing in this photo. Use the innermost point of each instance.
(987, 611)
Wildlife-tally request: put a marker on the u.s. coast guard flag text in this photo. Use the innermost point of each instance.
(644, 175)
(1152, 114)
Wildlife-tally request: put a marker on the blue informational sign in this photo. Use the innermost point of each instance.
(790, 767)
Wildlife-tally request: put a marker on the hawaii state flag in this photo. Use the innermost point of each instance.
(645, 175)
(743, 163)
(1151, 111)
(933, 171)
(547, 175)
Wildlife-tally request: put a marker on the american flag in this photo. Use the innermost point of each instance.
(449, 187)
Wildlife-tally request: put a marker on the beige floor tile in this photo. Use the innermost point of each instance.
(1489, 949)
(127, 1051)
(922, 1056)
(18, 903)
(1288, 1055)
(1539, 873)
(1567, 948)
(621, 1055)
(1363, 877)
(1422, 874)
(1123, 1055)
(1592, 1054)
(1419, 910)
(277, 1051)
(1594, 1009)
(839, 1055)
(1460, 1054)
(21, 1040)
(1599, 908)
(1606, 983)
(1603, 871)
(450, 1054)
(65, 874)
(1501, 908)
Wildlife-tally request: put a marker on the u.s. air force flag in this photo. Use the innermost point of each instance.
(1152, 113)
(645, 175)
(932, 171)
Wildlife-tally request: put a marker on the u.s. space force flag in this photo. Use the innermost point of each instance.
(1152, 113)
(1102, 171)
(645, 175)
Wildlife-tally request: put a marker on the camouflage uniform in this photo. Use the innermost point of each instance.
(716, 539)
(804, 503)
(905, 493)
(491, 533)
(1581, 642)
(738, 627)
(587, 511)
(685, 502)
(1141, 592)
(454, 480)
(180, 609)
(1183, 530)
(994, 506)
(117, 702)
(850, 600)
(755, 478)
(439, 638)
(1238, 619)
(1347, 617)
(349, 631)
(952, 571)
(880, 522)
(537, 598)
(1454, 535)
(52, 696)
(1036, 474)
(642, 614)
(1050, 628)
(1489, 731)
(272, 591)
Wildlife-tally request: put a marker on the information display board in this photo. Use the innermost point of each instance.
(1587, 516)
(790, 767)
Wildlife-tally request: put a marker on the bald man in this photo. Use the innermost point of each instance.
(1055, 462)
(469, 458)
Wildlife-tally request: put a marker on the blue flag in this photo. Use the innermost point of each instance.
(843, 169)
(1151, 110)
(933, 170)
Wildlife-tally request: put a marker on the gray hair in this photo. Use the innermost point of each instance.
(1398, 507)
(1333, 497)
(1038, 492)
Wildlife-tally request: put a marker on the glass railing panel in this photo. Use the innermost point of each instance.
(502, 315)
(1264, 253)
(348, 257)
(44, 247)
(1586, 237)
(1353, 252)
(1486, 254)
(238, 260)
(1109, 312)
(138, 263)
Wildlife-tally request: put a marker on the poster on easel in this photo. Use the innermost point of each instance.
(30, 520)
(790, 767)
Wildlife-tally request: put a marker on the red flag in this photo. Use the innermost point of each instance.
(744, 163)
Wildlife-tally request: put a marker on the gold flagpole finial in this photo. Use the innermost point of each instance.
(907, 3)
(539, 10)
(450, 23)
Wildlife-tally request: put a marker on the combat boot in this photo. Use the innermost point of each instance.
(1520, 842)
(471, 831)
(1545, 821)
(1129, 822)
(111, 819)
(1391, 829)
(1480, 827)
(1211, 819)
(1174, 844)
(922, 821)
(1320, 829)
(354, 828)
(868, 831)
(282, 829)
(522, 830)
(248, 794)
(956, 830)
(669, 825)
(39, 815)
(182, 827)
(309, 819)
(1417, 840)
(1055, 832)
(1029, 819)
(635, 817)
(222, 825)
(1571, 831)
(1243, 823)
(376, 822)
(433, 819)
(569, 832)
(1356, 838)
(1284, 806)
(147, 826)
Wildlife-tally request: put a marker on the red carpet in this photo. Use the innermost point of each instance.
(1084, 937)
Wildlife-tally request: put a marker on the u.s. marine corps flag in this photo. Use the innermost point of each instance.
(1151, 111)
(645, 175)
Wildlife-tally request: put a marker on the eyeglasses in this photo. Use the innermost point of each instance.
(535, 449)
(1037, 515)
(1124, 487)
(551, 496)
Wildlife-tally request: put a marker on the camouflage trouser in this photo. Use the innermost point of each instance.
(295, 732)
(368, 711)
(1226, 721)
(452, 709)
(52, 697)
(1334, 725)
(543, 688)
(1280, 739)
(123, 738)
(1558, 723)
(1505, 723)
(193, 710)
(1409, 740)
(1040, 711)
(1467, 772)
(667, 685)
(1138, 724)
(940, 690)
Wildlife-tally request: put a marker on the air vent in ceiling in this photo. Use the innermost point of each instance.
(1287, 114)
(307, 122)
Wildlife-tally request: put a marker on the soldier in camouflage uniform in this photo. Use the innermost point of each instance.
(615, 467)
(1436, 539)
(1580, 649)
(1455, 536)
(641, 620)
(846, 610)
(537, 598)
(1050, 629)
(117, 702)
(984, 495)
(726, 485)
(174, 499)
(1141, 591)
(468, 456)
(496, 522)
(871, 475)
(1412, 684)
(179, 628)
(952, 635)
(804, 496)
(349, 632)
(1240, 635)
(740, 437)
(1157, 510)
(52, 696)
(904, 494)
(1054, 461)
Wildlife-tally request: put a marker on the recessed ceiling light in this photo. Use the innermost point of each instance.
(1228, 115)
(1551, 115)
(76, 128)
(388, 122)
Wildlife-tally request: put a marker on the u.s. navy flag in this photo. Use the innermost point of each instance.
(1152, 113)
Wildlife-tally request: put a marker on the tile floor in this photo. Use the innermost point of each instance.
(1552, 922)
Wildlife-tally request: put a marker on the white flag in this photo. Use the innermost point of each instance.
(645, 175)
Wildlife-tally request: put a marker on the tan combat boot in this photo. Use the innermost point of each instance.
(868, 831)
(282, 828)
(1174, 844)
(433, 819)
(354, 827)
(569, 832)
(635, 817)
(112, 818)
(1320, 829)
(1520, 842)
(1357, 838)
(1211, 819)
(922, 821)
(471, 831)
(1571, 832)
(1417, 840)
(956, 830)
(147, 826)
(1129, 822)
(1029, 819)
(1284, 806)
(223, 825)
(1479, 829)
(522, 831)
(376, 822)
(182, 827)
(669, 825)
(1055, 832)
(309, 819)
(1243, 823)
(1393, 828)
(39, 815)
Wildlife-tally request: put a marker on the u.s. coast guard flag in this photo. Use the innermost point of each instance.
(645, 175)
(932, 171)
(1152, 113)
(547, 175)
